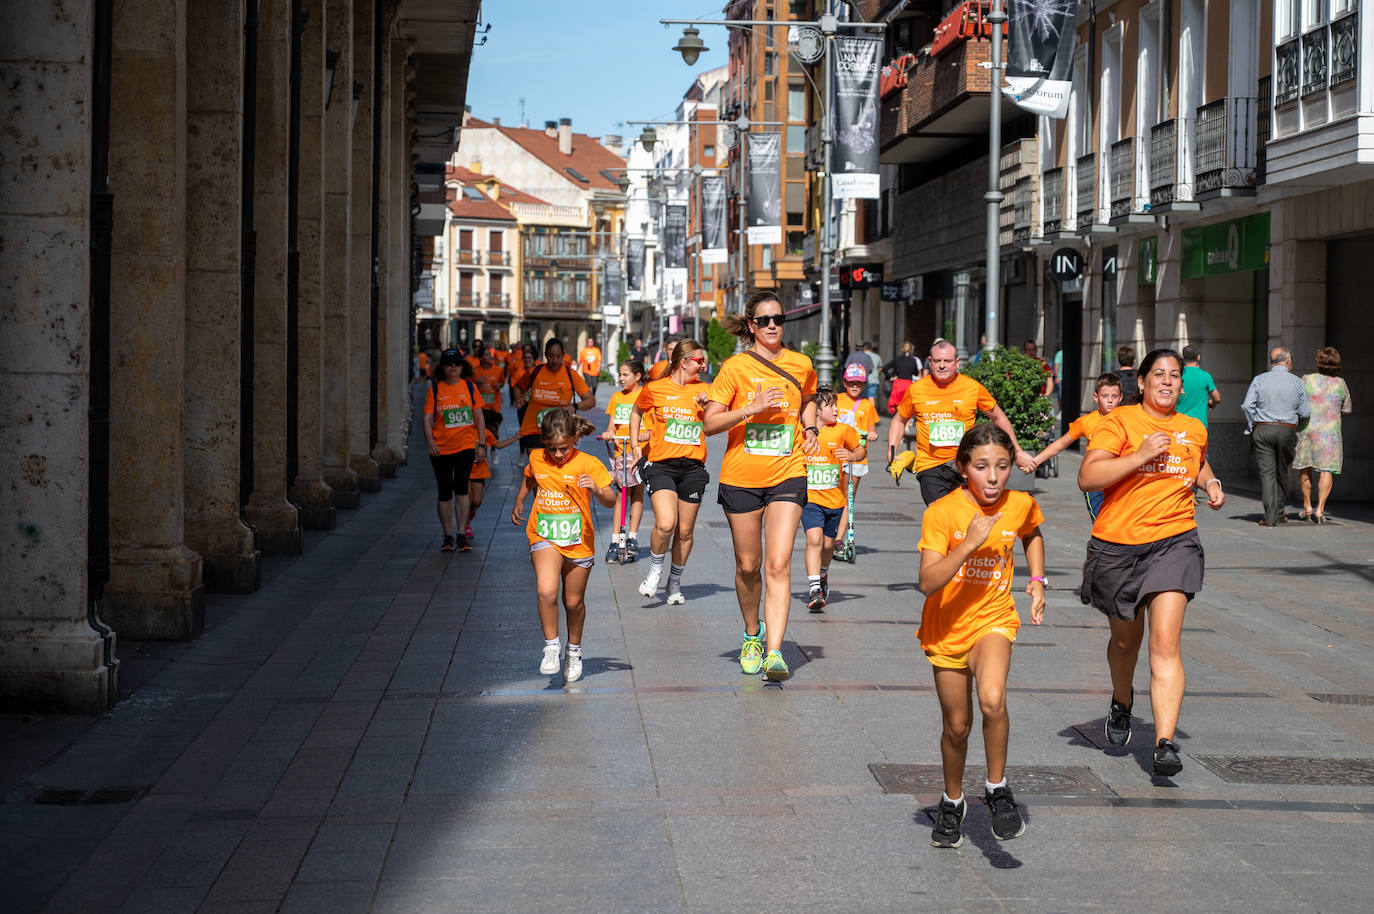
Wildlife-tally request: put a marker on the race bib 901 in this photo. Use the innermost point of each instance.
(768, 439)
(559, 529)
(457, 416)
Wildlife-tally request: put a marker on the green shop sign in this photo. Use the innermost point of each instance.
(1227, 247)
(1147, 259)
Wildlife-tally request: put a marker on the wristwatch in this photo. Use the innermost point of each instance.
(812, 429)
(1042, 579)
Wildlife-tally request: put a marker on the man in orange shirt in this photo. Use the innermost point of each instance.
(589, 363)
(945, 404)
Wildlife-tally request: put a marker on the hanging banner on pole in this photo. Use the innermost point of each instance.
(764, 213)
(612, 299)
(713, 247)
(634, 264)
(1040, 41)
(675, 237)
(855, 157)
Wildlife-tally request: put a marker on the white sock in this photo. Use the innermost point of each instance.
(813, 580)
(825, 570)
(574, 648)
(657, 561)
(675, 573)
(958, 802)
(555, 642)
(991, 786)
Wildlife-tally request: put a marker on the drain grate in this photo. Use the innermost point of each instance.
(100, 796)
(1278, 769)
(1337, 698)
(1066, 781)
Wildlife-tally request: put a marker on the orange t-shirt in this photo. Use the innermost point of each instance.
(454, 428)
(424, 365)
(978, 597)
(826, 482)
(1086, 425)
(676, 427)
(619, 410)
(562, 512)
(489, 381)
(860, 415)
(590, 361)
(1156, 501)
(549, 388)
(482, 468)
(765, 449)
(658, 370)
(943, 415)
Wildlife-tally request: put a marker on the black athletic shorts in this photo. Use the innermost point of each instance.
(742, 500)
(452, 472)
(1119, 578)
(683, 475)
(937, 482)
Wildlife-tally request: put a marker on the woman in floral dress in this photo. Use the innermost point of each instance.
(1319, 445)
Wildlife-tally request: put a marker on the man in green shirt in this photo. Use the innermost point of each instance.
(1199, 390)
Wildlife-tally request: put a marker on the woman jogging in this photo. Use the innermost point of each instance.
(969, 622)
(455, 434)
(550, 384)
(631, 377)
(1145, 553)
(765, 398)
(675, 462)
(562, 541)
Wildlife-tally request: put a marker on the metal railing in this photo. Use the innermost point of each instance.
(1345, 48)
(1225, 154)
(1052, 193)
(467, 255)
(1085, 185)
(1315, 64)
(498, 258)
(1121, 179)
(1263, 130)
(1167, 156)
(1023, 211)
(1286, 59)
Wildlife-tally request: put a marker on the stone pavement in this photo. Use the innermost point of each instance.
(369, 733)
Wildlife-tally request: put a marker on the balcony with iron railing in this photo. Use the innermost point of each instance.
(1020, 161)
(469, 256)
(498, 258)
(1125, 176)
(555, 307)
(1171, 186)
(1025, 230)
(1093, 217)
(1052, 196)
(1224, 165)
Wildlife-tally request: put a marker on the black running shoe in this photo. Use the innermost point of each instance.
(815, 601)
(448, 543)
(613, 554)
(1119, 722)
(463, 544)
(948, 819)
(825, 587)
(1167, 762)
(1006, 817)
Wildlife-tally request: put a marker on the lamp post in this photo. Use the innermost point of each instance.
(993, 293)
(690, 47)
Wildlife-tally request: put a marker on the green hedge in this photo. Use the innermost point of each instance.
(1015, 380)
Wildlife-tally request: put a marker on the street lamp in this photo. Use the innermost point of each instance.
(648, 138)
(690, 46)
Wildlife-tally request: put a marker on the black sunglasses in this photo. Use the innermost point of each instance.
(763, 320)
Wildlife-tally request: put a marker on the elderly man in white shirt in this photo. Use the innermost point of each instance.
(1275, 408)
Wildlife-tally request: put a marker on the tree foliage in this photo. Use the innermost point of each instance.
(720, 344)
(1016, 380)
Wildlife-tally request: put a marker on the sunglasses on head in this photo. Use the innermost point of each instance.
(763, 320)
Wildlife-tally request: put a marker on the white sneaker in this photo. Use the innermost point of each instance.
(675, 597)
(549, 664)
(649, 586)
(572, 668)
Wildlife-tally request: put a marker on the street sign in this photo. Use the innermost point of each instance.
(1066, 264)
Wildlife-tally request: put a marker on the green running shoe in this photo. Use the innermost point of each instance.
(751, 653)
(774, 667)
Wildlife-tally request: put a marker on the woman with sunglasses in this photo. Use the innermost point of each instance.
(765, 398)
(675, 466)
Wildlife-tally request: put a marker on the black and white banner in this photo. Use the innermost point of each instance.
(675, 237)
(764, 213)
(634, 264)
(611, 300)
(713, 246)
(858, 65)
(1040, 40)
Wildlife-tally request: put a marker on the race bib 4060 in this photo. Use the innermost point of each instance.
(682, 431)
(767, 439)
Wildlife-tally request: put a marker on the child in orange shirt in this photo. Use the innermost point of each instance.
(622, 402)
(969, 621)
(858, 412)
(825, 493)
(562, 540)
(1106, 398)
(481, 472)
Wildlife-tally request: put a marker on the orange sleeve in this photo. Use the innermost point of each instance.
(429, 399)
(934, 531)
(725, 386)
(1076, 428)
(645, 400)
(1034, 518)
(1110, 436)
(580, 384)
(986, 402)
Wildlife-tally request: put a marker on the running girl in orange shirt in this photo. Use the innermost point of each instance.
(455, 434)
(481, 472)
(858, 412)
(1106, 398)
(675, 464)
(826, 488)
(562, 540)
(765, 397)
(1145, 552)
(489, 375)
(969, 621)
(631, 377)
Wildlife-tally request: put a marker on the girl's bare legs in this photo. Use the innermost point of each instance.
(989, 662)
(746, 531)
(686, 524)
(665, 520)
(636, 509)
(574, 594)
(815, 541)
(548, 571)
(954, 689)
(780, 520)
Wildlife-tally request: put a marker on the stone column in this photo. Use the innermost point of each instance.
(268, 509)
(155, 590)
(358, 365)
(50, 656)
(399, 325)
(214, 187)
(308, 489)
(386, 265)
(336, 163)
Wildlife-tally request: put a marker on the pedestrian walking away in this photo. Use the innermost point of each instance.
(631, 377)
(1145, 553)
(826, 484)
(1106, 397)
(856, 410)
(456, 436)
(551, 384)
(945, 404)
(1276, 408)
(765, 398)
(562, 540)
(674, 463)
(904, 370)
(969, 621)
(589, 363)
(1130, 384)
(1200, 394)
(1319, 449)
